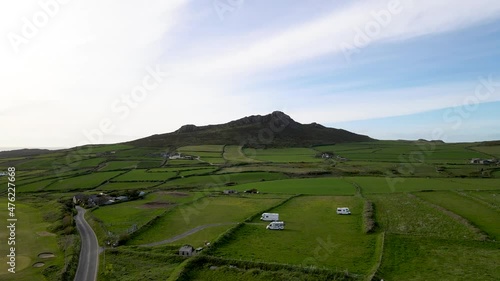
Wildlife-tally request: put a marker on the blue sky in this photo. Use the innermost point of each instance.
(77, 72)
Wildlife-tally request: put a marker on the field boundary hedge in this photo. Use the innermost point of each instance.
(199, 262)
(376, 269)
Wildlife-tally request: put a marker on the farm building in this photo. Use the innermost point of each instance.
(80, 198)
(188, 251)
(484, 161)
(230, 191)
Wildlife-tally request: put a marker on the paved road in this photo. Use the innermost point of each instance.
(187, 233)
(89, 257)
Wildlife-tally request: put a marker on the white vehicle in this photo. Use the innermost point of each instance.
(276, 225)
(343, 211)
(270, 217)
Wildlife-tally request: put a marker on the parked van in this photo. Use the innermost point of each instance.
(276, 225)
(270, 217)
(343, 211)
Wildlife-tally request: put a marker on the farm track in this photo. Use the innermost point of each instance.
(187, 233)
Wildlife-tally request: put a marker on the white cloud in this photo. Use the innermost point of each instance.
(92, 52)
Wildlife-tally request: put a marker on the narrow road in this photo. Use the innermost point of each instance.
(89, 257)
(187, 233)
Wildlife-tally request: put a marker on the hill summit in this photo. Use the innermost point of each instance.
(272, 130)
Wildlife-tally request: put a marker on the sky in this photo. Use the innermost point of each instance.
(75, 72)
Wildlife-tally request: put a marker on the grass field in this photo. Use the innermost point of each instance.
(196, 172)
(234, 153)
(273, 168)
(144, 175)
(36, 186)
(178, 169)
(118, 218)
(417, 258)
(224, 209)
(82, 182)
(222, 179)
(491, 198)
(228, 273)
(314, 235)
(400, 213)
(32, 239)
(202, 148)
(487, 219)
(493, 150)
(405, 151)
(119, 165)
(388, 184)
(316, 186)
(286, 155)
(116, 266)
(184, 162)
(199, 238)
(88, 163)
(125, 185)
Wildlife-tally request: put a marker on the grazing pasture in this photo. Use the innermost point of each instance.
(84, 182)
(484, 217)
(316, 186)
(144, 175)
(209, 210)
(287, 155)
(314, 235)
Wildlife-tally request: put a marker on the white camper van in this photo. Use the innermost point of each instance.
(343, 211)
(270, 217)
(276, 225)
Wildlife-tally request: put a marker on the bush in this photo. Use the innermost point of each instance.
(369, 217)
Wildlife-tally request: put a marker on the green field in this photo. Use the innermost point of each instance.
(316, 186)
(36, 186)
(480, 215)
(389, 184)
(234, 153)
(493, 150)
(304, 169)
(222, 179)
(491, 198)
(118, 218)
(314, 235)
(125, 185)
(202, 148)
(282, 155)
(416, 258)
(145, 175)
(119, 165)
(116, 266)
(400, 213)
(196, 172)
(223, 209)
(90, 181)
